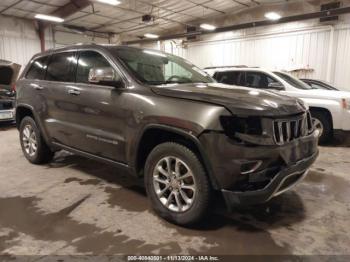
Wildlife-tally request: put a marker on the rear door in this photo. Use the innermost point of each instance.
(60, 75)
(98, 112)
(32, 91)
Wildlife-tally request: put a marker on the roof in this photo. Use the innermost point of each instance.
(93, 47)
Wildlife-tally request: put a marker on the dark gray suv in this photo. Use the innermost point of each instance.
(164, 120)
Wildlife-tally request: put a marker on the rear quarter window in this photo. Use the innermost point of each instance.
(38, 68)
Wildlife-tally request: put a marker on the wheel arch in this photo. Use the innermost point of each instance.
(154, 135)
(23, 110)
(324, 111)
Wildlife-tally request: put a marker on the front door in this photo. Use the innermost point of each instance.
(98, 121)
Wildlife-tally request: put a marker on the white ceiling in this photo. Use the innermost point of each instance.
(126, 17)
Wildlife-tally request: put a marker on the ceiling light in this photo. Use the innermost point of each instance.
(49, 18)
(151, 36)
(109, 2)
(208, 27)
(273, 16)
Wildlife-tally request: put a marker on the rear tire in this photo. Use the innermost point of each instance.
(33, 145)
(180, 194)
(324, 125)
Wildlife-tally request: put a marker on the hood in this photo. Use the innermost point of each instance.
(8, 74)
(238, 100)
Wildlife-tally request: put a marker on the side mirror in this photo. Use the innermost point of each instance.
(105, 76)
(276, 85)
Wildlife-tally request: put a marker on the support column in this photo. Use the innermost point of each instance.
(42, 35)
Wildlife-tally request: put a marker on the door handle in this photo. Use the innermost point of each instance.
(37, 87)
(73, 92)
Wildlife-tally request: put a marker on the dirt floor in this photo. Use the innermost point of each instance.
(78, 206)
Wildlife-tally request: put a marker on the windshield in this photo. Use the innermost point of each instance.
(157, 68)
(293, 81)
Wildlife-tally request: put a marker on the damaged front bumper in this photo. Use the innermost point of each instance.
(279, 167)
(282, 182)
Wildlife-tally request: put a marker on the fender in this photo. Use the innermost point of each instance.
(188, 135)
(37, 121)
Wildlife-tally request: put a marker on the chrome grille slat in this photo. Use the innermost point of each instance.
(296, 128)
(288, 125)
(280, 131)
(287, 130)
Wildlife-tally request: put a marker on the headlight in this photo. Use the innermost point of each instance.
(346, 103)
(248, 125)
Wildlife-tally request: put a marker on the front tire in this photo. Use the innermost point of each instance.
(33, 145)
(177, 184)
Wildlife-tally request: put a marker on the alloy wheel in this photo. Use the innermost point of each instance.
(318, 125)
(174, 184)
(29, 140)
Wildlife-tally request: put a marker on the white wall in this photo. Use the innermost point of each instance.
(19, 40)
(288, 46)
(341, 60)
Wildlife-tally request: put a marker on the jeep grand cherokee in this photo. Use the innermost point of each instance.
(164, 120)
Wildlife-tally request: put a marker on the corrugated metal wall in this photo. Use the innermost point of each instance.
(341, 73)
(19, 40)
(294, 48)
(283, 51)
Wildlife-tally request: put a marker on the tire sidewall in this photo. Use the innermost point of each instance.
(30, 121)
(201, 200)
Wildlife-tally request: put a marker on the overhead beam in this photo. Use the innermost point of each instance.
(322, 14)
(64, 11)
(71, 8)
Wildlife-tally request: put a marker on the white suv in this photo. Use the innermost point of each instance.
(330, 110)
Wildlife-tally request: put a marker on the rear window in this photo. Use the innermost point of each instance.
(61, 67)
(37, 69)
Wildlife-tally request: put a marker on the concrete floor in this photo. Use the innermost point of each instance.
(78, 206)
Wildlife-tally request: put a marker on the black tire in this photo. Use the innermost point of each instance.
(201, 199)
(43, 154)
(327, 133)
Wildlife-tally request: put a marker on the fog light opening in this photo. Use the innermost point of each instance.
(250, 167)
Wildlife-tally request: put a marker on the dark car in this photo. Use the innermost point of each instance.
(8, 75)
(319, 84)
(162, 119)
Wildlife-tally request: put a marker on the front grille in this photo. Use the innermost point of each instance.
(287, 130)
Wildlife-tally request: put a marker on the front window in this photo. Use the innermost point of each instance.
(157, 68)
(293, 81)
